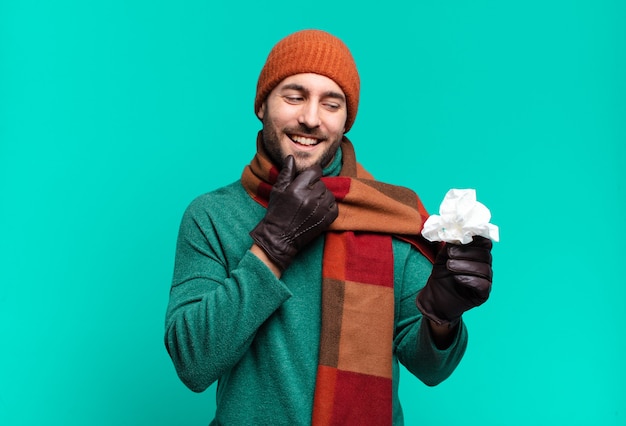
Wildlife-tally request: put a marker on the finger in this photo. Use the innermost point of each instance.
(327, 200)
(478, 288)
(469, 267)
(470, 252)
(317, 195)
(286, 175)
(308, 178)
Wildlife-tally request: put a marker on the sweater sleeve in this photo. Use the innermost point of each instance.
(217, 301)
(415, 348)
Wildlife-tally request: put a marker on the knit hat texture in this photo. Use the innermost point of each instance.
(311, 51)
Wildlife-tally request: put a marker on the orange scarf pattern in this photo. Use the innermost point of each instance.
(354, 377)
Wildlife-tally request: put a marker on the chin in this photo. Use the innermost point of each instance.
(304, 163)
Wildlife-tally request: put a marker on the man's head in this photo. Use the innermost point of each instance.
(307, 97)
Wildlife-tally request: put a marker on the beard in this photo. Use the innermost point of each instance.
(271, 143)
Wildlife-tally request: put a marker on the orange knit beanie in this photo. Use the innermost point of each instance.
(311, 51)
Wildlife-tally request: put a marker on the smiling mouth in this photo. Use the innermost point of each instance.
(304, 140)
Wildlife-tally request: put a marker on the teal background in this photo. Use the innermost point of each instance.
(114, 115)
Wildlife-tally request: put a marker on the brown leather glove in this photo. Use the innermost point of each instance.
(460, 280)
(300, 208)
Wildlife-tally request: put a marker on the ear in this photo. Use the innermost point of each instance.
(261, 112)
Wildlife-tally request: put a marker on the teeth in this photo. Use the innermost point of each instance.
(304, 141)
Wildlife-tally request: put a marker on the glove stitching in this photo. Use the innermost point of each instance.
(314, 225)
(296, 234)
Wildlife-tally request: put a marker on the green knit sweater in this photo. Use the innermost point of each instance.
(230, 319)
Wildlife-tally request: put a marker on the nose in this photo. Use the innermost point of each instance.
(309, 115)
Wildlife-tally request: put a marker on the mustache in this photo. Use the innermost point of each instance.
(306, 131)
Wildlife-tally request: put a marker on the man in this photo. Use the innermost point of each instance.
(302, 286)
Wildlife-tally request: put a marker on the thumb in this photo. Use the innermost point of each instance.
(286, 175)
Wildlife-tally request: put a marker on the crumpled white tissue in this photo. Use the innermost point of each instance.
(460, 218)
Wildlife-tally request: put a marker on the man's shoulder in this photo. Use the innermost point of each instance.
(228, 211)
(216, 199)
(234, 189)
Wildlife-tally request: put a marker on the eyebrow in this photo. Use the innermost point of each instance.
(300, 88)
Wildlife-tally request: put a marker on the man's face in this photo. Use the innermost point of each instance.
(304, 116)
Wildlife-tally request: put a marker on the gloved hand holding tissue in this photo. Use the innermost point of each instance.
(462, 274)
(460, 218)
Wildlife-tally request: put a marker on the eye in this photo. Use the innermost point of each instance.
(293, 99)
(332, 106)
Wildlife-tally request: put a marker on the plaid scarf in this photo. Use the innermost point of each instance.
(354, 376)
